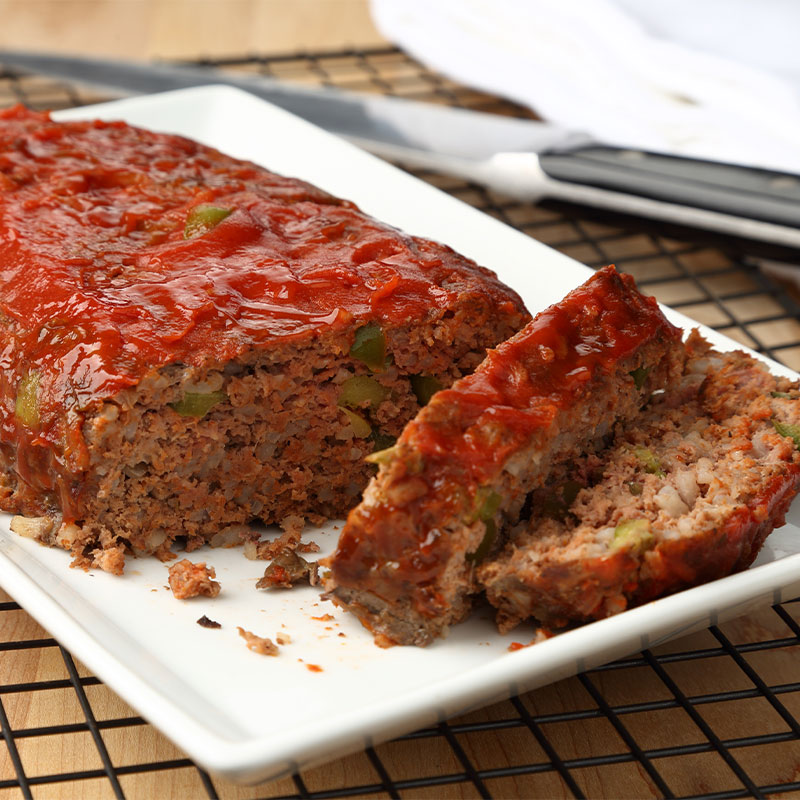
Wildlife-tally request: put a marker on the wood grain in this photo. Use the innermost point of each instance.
(431, 757)
(185, 28)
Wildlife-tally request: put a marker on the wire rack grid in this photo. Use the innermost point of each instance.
(712, 715)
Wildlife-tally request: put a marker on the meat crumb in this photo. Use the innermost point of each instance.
(313, 667)
(290, 540)
(286, 569)
(205, 622)
(283, 638)
(110, 559)
(258, 644)
(324, 618)
(192, 580)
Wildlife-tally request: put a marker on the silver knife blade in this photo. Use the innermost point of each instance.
(391, 125)
(522, 158)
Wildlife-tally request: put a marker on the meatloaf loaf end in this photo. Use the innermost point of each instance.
(687, 493)
(461, 471)
(190, 342)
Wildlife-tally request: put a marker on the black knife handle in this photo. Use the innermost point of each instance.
(748, 192)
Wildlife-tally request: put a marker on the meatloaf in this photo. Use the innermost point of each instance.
(459, 476)
(190, 342)
(687, 493)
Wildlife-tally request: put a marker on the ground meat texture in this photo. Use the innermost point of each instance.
(687, 494)
(192, 580)
(257, 550)
(286, 569)
(459, 476)
(208, 343)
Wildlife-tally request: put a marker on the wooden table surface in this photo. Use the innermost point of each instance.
(185, 28)
(199, 28)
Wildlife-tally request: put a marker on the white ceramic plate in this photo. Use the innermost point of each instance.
(252, 717)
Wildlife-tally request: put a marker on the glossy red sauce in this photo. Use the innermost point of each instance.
(466, 433)
(525, 382)
(98, 285)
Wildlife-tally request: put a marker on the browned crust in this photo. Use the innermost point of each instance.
(317, 270)
(398, 622)
(600, 587)
(402, 563)
(567, 583)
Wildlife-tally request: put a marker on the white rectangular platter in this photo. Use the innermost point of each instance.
(251, 717)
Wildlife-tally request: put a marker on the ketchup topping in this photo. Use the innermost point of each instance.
(398, 548)
(98, 284)
(526, 381)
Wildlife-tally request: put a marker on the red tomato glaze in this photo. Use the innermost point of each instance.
(462, 439)
(98, 285)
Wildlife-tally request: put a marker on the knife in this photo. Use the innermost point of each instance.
(524, 159)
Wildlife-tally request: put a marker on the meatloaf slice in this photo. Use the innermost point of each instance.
(190, 342)
(688, 493)
(460, 473)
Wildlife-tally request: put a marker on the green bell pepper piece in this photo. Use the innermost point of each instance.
(27, 404)
(369, 346)
(359, 389)
(633, 533)
(650, 461)
(424, 387)
(197, 404)
(361, 428)
(487, 502)
(785, 429)
(639, 376)
(202, 219)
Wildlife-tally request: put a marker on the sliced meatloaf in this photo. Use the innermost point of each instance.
(460, 473)
(688, 493)
(190, 342)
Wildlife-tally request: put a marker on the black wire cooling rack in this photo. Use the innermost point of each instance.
(713, 715)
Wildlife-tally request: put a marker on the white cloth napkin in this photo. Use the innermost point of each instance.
(716, 79)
